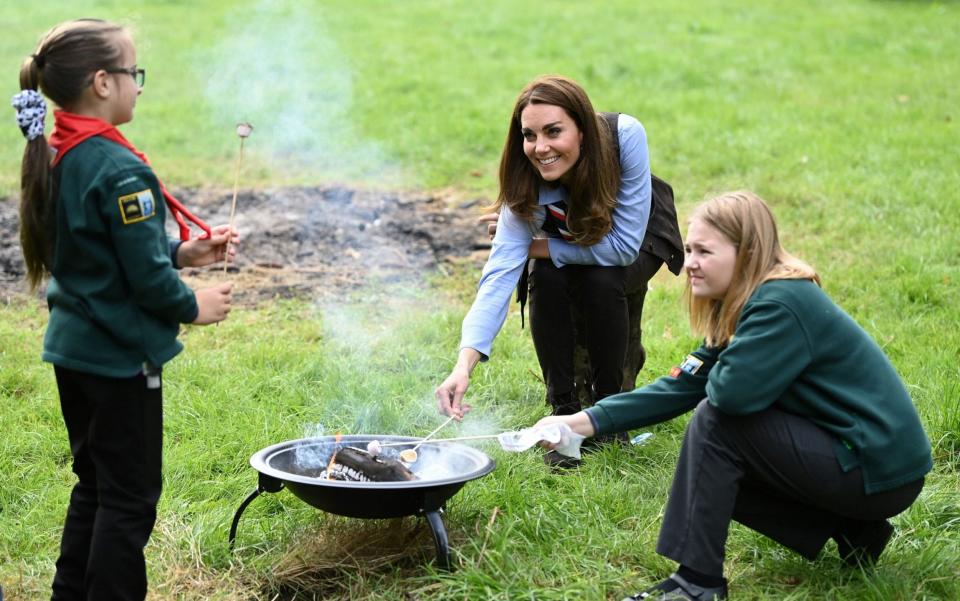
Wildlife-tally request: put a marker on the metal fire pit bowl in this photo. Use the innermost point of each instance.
(441, 468)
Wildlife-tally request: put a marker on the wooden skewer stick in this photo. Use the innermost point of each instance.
(410, 455)
(430, 435)
(243, 131)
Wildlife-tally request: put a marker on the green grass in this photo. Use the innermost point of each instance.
(842, 114)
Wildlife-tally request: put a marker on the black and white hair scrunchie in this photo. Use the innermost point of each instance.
(31, 110)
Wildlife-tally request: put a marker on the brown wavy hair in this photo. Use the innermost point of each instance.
(60, 67)
(746, 221)
(595, 178)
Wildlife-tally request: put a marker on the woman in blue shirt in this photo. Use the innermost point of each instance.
(575, 197)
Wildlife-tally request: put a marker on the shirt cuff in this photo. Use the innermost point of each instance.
(192, 311)
(599, 419)
(174, 247)
(593, 422)
(484, 357)
(562, 253)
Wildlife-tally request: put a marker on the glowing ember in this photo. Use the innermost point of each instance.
(333, 456)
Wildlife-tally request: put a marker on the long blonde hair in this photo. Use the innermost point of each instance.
(746, 221)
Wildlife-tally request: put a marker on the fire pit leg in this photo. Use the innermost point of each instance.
(236, 517)
(439, 538)
(264, 484)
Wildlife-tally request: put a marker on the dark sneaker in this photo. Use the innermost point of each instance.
(677, 588)
(560, 463)
(860, 544)
(595, 443)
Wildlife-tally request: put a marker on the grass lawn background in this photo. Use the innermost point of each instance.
(841, 114)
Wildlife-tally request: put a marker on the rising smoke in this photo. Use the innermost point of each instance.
(382, 337)
(279, 68)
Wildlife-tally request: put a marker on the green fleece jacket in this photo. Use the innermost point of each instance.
(796, 349)
(115, 299)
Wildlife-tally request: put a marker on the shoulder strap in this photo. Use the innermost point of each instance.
(662, 238)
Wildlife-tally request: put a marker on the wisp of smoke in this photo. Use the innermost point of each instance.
(362, 334)
(279, 69)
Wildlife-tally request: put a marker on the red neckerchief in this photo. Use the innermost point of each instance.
(70, 129)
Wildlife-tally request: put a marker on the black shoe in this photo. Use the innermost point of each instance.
(860, 544)
(677, 588)
(595, 443)
(560, 463)
(565, 408)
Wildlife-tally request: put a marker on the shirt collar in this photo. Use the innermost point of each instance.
(550, 195)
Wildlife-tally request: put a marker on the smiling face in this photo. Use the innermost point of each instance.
(709, 260)
(551, 140)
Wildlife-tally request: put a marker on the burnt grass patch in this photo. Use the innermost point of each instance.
(311, 242)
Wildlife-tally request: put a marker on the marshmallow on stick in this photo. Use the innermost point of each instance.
(243, 132)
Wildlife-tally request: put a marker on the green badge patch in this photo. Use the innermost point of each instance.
(137, 206)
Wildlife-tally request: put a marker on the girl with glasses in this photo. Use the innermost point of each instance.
(92, 221)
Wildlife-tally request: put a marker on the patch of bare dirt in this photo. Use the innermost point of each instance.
(312, 241)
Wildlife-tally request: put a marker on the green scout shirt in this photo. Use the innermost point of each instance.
(795, 348)
(115, 299)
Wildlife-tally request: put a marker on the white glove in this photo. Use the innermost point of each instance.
(567, 441)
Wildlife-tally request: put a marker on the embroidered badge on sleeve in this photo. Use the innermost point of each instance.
(691, 365)
(137, 206)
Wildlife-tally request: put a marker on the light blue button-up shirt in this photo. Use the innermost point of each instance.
(511, 244)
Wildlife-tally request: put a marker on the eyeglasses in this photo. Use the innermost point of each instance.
(138, 75)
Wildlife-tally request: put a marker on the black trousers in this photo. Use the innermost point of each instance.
(774, 472)
(115, 428)
(594, 298)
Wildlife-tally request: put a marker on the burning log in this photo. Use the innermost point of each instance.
(356, 465)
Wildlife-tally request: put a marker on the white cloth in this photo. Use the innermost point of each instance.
(567, 441)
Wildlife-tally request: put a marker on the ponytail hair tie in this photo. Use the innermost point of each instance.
(31, 110)
(39, 60)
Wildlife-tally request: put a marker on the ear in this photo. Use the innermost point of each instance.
(102, 85)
